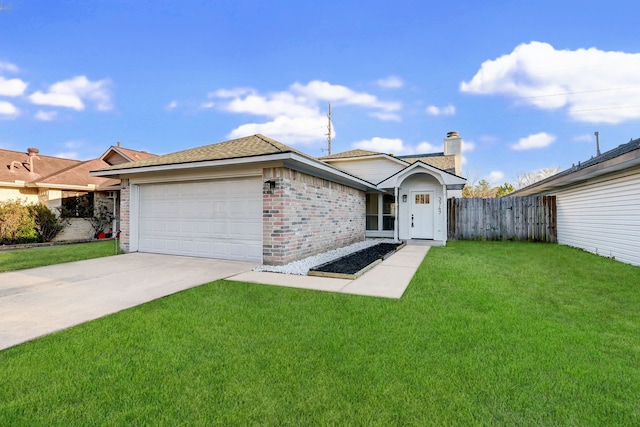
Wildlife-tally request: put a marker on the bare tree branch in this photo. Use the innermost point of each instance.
(524, 179)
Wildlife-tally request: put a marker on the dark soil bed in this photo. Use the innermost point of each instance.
(351, 264)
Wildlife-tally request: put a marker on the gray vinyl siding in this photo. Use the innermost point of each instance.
(602, 216)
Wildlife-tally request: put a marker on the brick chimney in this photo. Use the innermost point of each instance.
(32, 151)
(453, 146)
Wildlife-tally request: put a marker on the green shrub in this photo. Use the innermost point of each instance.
(27, 223)
(47, 224)
(17, 225)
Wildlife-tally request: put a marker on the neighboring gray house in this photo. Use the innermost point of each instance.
(256, 199)
(598, 203)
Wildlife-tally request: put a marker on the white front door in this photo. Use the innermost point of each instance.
(422, 214)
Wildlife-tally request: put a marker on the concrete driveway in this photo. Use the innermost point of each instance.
(42, 300)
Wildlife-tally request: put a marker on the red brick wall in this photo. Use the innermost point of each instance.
(305, 215)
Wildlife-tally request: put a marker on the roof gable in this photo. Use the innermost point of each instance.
(118, 155)
(444, 177)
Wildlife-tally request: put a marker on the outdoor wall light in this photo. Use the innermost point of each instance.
(269, 185)
(404, 198)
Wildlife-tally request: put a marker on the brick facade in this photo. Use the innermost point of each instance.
(305, 215)
(125, 205)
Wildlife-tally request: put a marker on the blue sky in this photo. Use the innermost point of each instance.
(525, 83)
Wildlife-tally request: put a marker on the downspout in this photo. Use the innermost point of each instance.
(397, 218)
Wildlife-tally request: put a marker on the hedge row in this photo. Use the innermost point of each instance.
(27, 223)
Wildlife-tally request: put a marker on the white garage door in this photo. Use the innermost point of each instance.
(212, 219)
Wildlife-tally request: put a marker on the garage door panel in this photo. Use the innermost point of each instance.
(242, 229)
(216, 219)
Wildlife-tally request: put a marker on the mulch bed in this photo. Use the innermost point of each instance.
(357, 261)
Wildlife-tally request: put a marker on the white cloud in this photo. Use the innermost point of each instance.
(539, 75)
(538, 140)
(8, 66)
(427, 147)
(495, 178)
(171, 105)
(448, 110)
(325, 91)
(8, 109)
(231, 93)
(273, 105)
(584, 138)
(468, 146)
(386, 117)
(68, 155)
(297, 115)
(302, 130)
(12, 87)
(398, 147)
(73, 144)
(391, 82)
(383, 145)
(74, 92)
(46, 116)
(71, 147)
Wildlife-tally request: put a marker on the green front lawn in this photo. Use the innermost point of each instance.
(38, 257)
(486, 334)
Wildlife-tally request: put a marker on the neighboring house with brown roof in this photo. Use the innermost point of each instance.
(256, 199)
(57, 182)
(598, 203)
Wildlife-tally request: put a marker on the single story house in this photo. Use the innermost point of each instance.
(64, 185)
(256, 199)
(598, 203)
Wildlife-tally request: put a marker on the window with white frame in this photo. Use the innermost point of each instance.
(380, 212)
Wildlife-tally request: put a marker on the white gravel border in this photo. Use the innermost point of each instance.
(302, 267)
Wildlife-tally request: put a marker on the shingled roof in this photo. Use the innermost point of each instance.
(350, 154)
(437, 160)
(621, 152)
(249, 146)
(78, 175)
(446, 163)
(48, 171)
(19, 166)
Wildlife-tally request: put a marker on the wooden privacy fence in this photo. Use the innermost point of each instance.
(528, 218)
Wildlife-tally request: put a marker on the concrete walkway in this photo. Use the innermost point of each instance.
(389, 279)
(39, 301)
